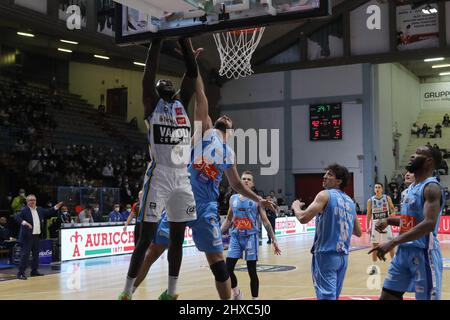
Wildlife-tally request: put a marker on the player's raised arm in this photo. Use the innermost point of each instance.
(150, 96)
(318, 205)
(202, 106)
(239, 187)
(189, 79)
(393, 210)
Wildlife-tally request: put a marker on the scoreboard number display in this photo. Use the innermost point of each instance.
(325, 121)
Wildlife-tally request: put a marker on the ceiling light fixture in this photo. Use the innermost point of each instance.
(440, 66)
(68, 41)
(25, 34)
(139, 63)
(101, 57)
(434, 59)
(64, 50)
(444, 74)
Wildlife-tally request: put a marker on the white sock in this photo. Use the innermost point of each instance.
(255, 298)
(235, 291)
(134, 289)
(172, 290)
(129, 285)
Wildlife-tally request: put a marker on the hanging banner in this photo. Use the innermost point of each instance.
(417, 28)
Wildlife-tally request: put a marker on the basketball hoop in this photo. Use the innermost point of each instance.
(236, 48)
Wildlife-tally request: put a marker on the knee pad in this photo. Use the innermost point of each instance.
(219, 269)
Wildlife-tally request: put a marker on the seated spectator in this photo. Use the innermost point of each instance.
(425, 129)
(133, 123)
(115, 216)
(444, 167)
(429, 145)
(435, 146)
(5, 233)
(64, 215)
(85, 216)
(19, 202)
(126, 213)
(437, 131)
(446, 120)
(415, 130)
(97, 214)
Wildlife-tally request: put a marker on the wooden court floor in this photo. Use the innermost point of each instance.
(103, 278)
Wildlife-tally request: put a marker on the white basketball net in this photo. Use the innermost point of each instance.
(236, 49)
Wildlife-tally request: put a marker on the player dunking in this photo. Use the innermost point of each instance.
(166, 182)
(417, 266)
(244, 215)
(215, 159)
(379, 206)
(336, 222)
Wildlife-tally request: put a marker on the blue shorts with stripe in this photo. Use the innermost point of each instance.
(416, 270)
(328, 272)
(206, 231)
(241, 243)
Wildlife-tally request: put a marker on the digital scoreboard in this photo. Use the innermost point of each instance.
(325, 121)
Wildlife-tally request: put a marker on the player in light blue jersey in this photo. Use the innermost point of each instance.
(417, 266)
(336, 221)
(211, 159)
(244, 216)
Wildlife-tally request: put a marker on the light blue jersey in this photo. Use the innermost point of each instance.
(209, 160)
(244, 234)
(417, 266)
(334, 226)
(245, 216)
(412, 215)
(208, 165)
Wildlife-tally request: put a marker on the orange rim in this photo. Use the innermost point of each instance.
(249, 30)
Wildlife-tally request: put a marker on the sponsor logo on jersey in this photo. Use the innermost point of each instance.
(243, 223)
(152, 205)
(166, 119)
(181, 120)
(408, 222)
(179, 111)
(207, 170)
(171, 135)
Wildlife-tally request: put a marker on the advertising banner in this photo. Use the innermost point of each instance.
(415, 29)
(82, 243)
(287, 226)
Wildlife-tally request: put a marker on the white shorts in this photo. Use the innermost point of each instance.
(170, 189)
(376, 237)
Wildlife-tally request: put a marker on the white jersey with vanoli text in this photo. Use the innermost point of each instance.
(169, 134)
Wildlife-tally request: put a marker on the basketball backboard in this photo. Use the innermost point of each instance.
(139, 21)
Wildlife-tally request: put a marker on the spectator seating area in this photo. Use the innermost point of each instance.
(50, 139)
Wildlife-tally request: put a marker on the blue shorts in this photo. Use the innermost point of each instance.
(416, 270)
(162, 232)
(243, 243)
(328, 272)
(206, 231)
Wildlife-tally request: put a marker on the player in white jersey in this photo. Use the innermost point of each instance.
(166, 182)
(379, 206)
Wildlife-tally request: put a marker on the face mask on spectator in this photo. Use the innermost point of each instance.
(95, 209)
(116, 209)
(128, 209)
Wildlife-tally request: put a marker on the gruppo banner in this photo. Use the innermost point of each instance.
(415, 29)
(444, 224)
(436, 96)
(287, 226)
